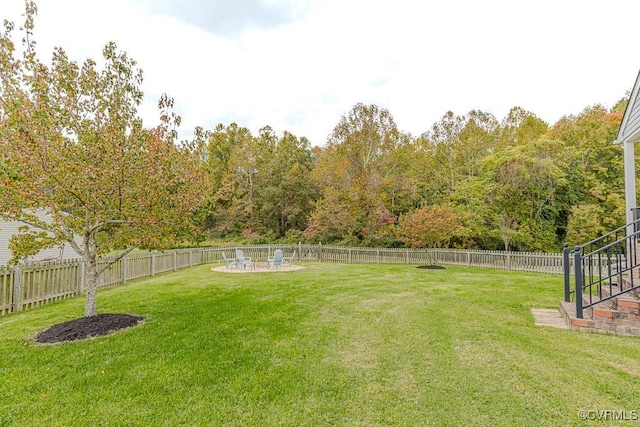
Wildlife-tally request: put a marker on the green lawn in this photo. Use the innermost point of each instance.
(359, 345)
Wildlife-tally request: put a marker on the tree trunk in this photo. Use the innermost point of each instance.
(90, 303)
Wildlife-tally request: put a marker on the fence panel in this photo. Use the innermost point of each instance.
(182, 259)
(214, 255)
(6, 290)
(536, 262)
(197, 256)
(137, 266)
(308, 252)
(392, 256)
(112, 275)
(164, 262)
(334, 254)
(45, 283)
(449, 256)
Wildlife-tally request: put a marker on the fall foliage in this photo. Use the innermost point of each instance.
(72, 142)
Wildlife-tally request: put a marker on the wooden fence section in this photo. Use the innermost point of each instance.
(534, 262)
(6, 290)
(511, 261)
(31, 285)
(35, 285)
(45, 283)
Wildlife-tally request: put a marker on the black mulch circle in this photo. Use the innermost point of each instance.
(87, 327)
(431, 267)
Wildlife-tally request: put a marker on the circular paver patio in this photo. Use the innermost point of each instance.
(261, 267)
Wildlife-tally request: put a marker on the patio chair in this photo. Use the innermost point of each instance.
(244, 261)
(229, 262)
(275, 261)
(289, 260)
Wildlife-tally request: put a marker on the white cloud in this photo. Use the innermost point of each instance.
(299, 66)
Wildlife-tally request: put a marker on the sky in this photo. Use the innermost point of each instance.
(300, 65)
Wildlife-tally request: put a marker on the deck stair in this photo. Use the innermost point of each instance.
(619, 314)
(605, 296)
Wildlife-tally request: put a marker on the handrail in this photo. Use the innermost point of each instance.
(620, 257)
(636, 227)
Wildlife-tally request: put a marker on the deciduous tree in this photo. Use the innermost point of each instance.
(429, 226)
(73, 144)
(356, 169)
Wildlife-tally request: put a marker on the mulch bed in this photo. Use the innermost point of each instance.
(431, 267)
(87, 327)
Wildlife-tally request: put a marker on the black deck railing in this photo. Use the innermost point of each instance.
(600, 266)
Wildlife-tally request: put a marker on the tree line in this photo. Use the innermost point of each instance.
(470, 181)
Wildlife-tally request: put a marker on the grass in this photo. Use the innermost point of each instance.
(360, 345)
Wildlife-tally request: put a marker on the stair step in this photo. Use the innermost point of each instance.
(629, 307)
(628, 282)
(608, 290)
(600, 320)
(610, 304)
(604, 314)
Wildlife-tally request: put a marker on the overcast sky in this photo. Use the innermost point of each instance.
(299, 65)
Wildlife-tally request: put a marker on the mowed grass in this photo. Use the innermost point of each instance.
(360, 345)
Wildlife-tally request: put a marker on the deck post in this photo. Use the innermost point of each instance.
(578, 272)
(567, 272)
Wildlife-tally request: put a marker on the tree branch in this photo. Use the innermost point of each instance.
(114, 260)
(40, 225)
(102, 224)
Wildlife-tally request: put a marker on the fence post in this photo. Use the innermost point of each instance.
(320, 252)
(17, 289)
(377, 256)
(565, 268)
(349, 259)
(190, 258)
(407, 258)
(468, 258)
(123, 266)
(175, 260)
(578, 272)
(81, 277)
(508, 260)
(153, 264)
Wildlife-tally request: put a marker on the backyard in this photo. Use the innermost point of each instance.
(328, 345)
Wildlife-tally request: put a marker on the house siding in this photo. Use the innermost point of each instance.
(9, 228)
(633, 125)
(630, 126)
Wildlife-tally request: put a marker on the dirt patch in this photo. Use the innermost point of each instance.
(431, 267)
(87, 327)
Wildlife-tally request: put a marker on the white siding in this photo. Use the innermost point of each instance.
(630, 126)
(9, 228)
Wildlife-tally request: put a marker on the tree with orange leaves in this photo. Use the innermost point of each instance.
(73, 144)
